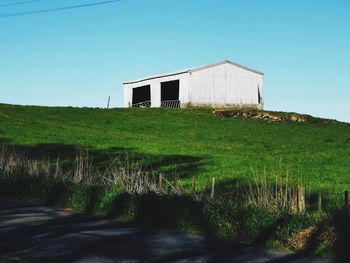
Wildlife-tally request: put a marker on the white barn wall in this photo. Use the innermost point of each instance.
(127, 96)
(225, 85)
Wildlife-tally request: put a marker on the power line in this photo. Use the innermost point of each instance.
(57, 9)
(18, 3)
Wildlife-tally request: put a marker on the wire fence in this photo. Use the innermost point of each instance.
(144, 104)
(170, 104)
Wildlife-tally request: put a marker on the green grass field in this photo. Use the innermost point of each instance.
(187, 142)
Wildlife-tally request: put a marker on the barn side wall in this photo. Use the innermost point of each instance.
(225, 85)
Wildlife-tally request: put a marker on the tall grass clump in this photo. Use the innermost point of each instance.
(11, 160)
(272, 194)
(128, 174)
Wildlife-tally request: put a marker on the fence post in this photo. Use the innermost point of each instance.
(212, 194)
(319, 202)
(233, 188)
(346, 199)
(109, 100)
(301, 199)
(193, 184)
(175, 182)
(298, 199)
(160, 182)
(294, 201)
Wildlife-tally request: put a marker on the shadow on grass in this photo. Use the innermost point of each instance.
(182, 165)
(4, 140)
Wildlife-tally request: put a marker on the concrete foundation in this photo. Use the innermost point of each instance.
(222, 106)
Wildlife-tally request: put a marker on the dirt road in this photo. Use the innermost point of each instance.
(30, 233)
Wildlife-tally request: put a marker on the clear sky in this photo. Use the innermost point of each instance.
(79, 57)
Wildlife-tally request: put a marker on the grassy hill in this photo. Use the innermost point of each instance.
(187, 142)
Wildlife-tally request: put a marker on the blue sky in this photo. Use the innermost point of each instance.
(80, 57)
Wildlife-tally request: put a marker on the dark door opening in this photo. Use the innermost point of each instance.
(259, 96)
(170, 94)
(141, 96)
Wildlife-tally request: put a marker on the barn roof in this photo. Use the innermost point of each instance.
(193, 70)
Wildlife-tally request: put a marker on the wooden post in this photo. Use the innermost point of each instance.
(298, 200)
(212, 194)
(160, 182)
(294, 201)
(319, 202)
(233, 188)
(109, 100)
(193, 184)
(175, 181)
(346, 199)
(301, 199)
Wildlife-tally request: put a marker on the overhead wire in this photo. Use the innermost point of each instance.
(57, 9)
(18, 3)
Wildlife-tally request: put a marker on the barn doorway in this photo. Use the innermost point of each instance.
(141, 97)
(259, 96)
(170, 94)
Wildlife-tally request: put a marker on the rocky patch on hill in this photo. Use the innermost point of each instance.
(269, 115)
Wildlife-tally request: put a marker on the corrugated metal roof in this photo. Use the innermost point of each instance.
(192, 70)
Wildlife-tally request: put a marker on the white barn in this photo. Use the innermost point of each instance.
(220, 85)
